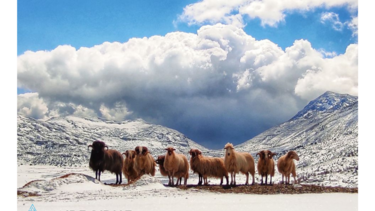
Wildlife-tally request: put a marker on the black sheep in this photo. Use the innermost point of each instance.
(102, 159)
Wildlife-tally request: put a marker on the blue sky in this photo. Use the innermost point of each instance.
(43, 25)
(212, 81)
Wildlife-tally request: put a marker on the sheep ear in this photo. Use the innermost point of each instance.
(290, 154)
(257, 154)
(174, 149)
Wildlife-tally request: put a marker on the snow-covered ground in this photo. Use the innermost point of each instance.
(82, 192)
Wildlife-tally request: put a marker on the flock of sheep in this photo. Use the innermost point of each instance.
(140, 161)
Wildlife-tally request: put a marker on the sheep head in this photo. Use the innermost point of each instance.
(141, 150)
(261, 154)
(98, 146)
(130, 154)
(265, 154)
(228, 149)
(170, 150)
(160, 159)
(293, 155)
(195, 152)
(270, 154)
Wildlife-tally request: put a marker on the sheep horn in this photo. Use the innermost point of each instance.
(106, 146)
(89, 146)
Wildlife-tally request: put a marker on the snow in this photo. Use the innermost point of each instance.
(82, 192)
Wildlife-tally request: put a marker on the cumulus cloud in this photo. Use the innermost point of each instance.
(339, 74)
(215, 86)
(30, 105)
(270, 12)
(118, 113)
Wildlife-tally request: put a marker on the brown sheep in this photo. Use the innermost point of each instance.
(128, 169)
(176, 165)
(163, 172)
(144, 162)
(101, 160)
(266, 165)
(236, 162)
(207, 166)
(286, 166)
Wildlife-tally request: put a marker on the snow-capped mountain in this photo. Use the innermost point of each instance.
(63, 141)
(325, 136)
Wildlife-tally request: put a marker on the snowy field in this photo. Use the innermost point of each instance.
(82, 192)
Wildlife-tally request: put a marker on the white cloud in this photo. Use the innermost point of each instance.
(270, 12)
(30, 105)
(118, 113)
(196, 83)
(339, 74)
(332, 18)
(353, 25)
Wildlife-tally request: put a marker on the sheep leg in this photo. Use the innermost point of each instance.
(221, 181)
(234, 178)
(247, 178)
(226, 177)
(266, 178)
(253, 179)
(270, 180)
(169, 180)
(120, 178)
(200, 179)
(282, 179)
(261, 180)
(99, 174)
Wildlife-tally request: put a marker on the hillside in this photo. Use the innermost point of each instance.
(63, 141)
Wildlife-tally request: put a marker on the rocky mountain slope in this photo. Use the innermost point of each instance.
(325, 136)
(63, 141)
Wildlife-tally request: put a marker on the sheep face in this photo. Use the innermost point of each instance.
(228, 149)
(98, 148)
(130, 154)
(194, 153)
(170, 150)
(160, 159)
(266, 154)
(293, 155)
(141, 151)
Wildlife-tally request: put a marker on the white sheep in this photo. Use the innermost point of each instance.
(286, 166)
(236, 162)
(176, 165)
